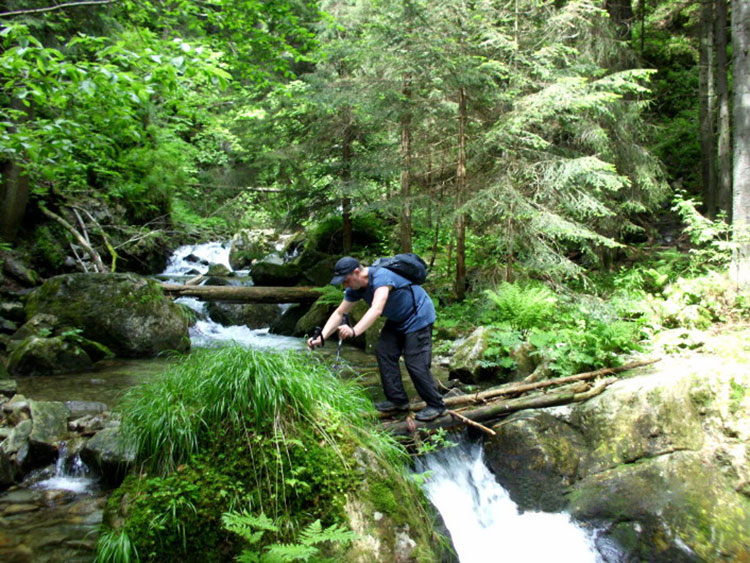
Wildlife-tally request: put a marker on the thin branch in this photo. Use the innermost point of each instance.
(57, 7)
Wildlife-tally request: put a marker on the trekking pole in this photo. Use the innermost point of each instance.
(346, 321)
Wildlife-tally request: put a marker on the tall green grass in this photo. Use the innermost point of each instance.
(169, 419)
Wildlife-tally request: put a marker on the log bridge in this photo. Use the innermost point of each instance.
(243, 294)
(492, 404)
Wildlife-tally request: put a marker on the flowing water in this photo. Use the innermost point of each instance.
(55, 514)
(485, 524)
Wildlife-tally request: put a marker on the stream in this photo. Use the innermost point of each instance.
(54, 515)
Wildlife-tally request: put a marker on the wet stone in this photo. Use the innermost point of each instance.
(8, 387)
(20, 496)
(14, 509)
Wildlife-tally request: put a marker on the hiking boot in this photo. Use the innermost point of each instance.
(429, 413)
(390, 406)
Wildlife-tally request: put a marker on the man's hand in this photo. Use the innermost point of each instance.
(314, 342)
(345, 331)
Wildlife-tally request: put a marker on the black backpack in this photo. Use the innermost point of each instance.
(408, 265)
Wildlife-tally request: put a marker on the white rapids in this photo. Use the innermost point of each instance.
(486, 525)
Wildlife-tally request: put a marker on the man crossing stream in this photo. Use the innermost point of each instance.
(407, 332)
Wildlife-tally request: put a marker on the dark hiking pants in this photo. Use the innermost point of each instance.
(416, 347)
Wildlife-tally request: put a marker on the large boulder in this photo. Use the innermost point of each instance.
(125, 312)
(50, 427)
(659, 461)
(253, 315)
(47, 356)
(274, 272)
(465, 363)
(107, 453)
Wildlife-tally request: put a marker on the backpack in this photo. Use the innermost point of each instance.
(408, 265)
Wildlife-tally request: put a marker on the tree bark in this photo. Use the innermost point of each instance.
(724, 137)
(460, 195)
(405, 121)
(14, 195)
(346, 178)
(707, 96)
(741, 167)
(243, 294)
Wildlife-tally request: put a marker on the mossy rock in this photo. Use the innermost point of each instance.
(684, 510)
(253, 315)
(125, 312)
(533, 449)
(47, 356)
(316, 316)
(465, 361)
(272, 274)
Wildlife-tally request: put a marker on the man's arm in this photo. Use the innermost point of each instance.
(379, 300)
(333, 322)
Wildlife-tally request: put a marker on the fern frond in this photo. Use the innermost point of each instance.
(285, 553)
(314, 534)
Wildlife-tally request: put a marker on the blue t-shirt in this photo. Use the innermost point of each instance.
(399, 308)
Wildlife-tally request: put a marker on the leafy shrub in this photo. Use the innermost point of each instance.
(523, 307)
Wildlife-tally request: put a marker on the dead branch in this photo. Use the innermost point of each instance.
(472, 423)
(57, 7)
(95, 258)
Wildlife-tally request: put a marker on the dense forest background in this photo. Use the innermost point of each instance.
(500, 140)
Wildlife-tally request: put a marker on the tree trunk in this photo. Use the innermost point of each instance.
(14, 189)
(14, 195)
(724, 140)
(460, 195)
(621, 14)
(405, 121)
(346, 178)
(707, 95)
(741, 170)
(244, 294)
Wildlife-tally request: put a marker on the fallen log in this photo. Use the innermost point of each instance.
(500, 409)
(244, 294)
(518, 388)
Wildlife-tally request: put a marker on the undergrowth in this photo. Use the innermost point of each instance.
(248, 432)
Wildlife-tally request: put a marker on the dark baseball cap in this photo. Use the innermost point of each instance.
(343, 268)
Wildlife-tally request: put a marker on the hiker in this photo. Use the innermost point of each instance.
(407, 331)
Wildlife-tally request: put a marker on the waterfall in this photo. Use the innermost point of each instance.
(485, 525)
(206, 333)
(197, 257)
(71, 474)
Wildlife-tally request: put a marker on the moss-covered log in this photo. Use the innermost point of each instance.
(243, 294)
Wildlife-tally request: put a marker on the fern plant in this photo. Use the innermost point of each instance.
(251, 528)
(523, 307)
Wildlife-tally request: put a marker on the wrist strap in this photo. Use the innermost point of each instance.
(354, 334)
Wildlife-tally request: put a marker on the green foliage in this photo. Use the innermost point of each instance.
(167, 420)
(437, 440)
(251, 528)
(331, 295)
(235, 429)
(712, 240)
(115, 547)
(500, 341)
(521, 306)
(737, 394)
